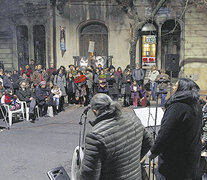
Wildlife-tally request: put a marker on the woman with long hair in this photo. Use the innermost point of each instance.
(178, 143)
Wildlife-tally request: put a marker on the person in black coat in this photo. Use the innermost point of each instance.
(178, 143)
(126, 83)
(44, 98)
(27, 95)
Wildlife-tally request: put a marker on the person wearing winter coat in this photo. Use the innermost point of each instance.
(116, 143)
(27, 95)
(112, 80)
(38, 76)
(120, 76)
(44, 98)
(152, 79)
(135, 91)
(178, 143)
(102, 86)
(138, 75)
(162, 80)
(89, 82)
(70, 88)
(80, 84)
(7, 81)
(56, 96)
(126, 87)
(60, 81)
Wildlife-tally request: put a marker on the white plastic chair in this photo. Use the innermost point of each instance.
(27, 112)
(26, 109)
(10, 113)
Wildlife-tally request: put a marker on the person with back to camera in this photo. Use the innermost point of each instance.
(115, 145)
(178, 143)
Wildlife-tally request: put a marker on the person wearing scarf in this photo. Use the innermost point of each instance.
(178, 144)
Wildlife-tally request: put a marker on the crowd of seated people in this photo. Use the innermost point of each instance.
(43, 87)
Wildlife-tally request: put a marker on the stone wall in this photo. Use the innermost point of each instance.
(195, 63)
(77, 14)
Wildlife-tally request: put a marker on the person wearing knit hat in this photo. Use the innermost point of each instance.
(44, 98)
(42, 83)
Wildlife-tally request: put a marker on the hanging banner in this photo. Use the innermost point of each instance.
(62, 40)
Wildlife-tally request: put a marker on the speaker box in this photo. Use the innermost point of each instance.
(58, 173)
(172, 62)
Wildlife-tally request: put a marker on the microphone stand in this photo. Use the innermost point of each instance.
(154, 136)
(81, 141)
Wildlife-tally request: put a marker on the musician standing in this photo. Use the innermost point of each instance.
(115, 144)
(162, 80)
(178, 143)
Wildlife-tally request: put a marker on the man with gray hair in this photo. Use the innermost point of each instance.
(116, 143)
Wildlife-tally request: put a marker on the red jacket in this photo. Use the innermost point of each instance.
(7, 99)
(80, 79)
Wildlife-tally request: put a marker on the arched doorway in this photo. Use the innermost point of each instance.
(148, 45)
(96, 32)
(170, 42)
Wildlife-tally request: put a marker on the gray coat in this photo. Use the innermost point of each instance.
(60, 81)
(89, 79)
(114, 148)
(138, 74)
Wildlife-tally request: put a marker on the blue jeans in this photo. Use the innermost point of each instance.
(153, 87)
(162, 97)
(56, 100)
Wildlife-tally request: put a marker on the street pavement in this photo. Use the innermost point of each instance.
(29, 150)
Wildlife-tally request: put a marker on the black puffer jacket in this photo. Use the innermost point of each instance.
(114, 147)
(178, 143)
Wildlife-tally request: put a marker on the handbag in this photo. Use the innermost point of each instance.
(50, 111)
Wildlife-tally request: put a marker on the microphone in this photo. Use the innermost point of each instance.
(87, 109)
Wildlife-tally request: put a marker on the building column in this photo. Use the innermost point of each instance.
(31, 42)
(159, 52)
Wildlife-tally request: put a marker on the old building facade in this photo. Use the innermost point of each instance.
(33, 30)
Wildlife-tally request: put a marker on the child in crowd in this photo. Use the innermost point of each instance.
(56, 96)
(143, 97)
(135, 93)
(11, 100)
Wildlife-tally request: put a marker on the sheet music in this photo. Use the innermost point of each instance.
(147, 116)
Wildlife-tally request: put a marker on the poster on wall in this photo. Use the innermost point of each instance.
(101, 60)
(83, 62)
(62, 40)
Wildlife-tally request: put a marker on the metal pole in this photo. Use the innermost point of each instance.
(54, 32)
(170, 83)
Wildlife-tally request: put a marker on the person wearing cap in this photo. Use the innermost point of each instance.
(44, 98)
